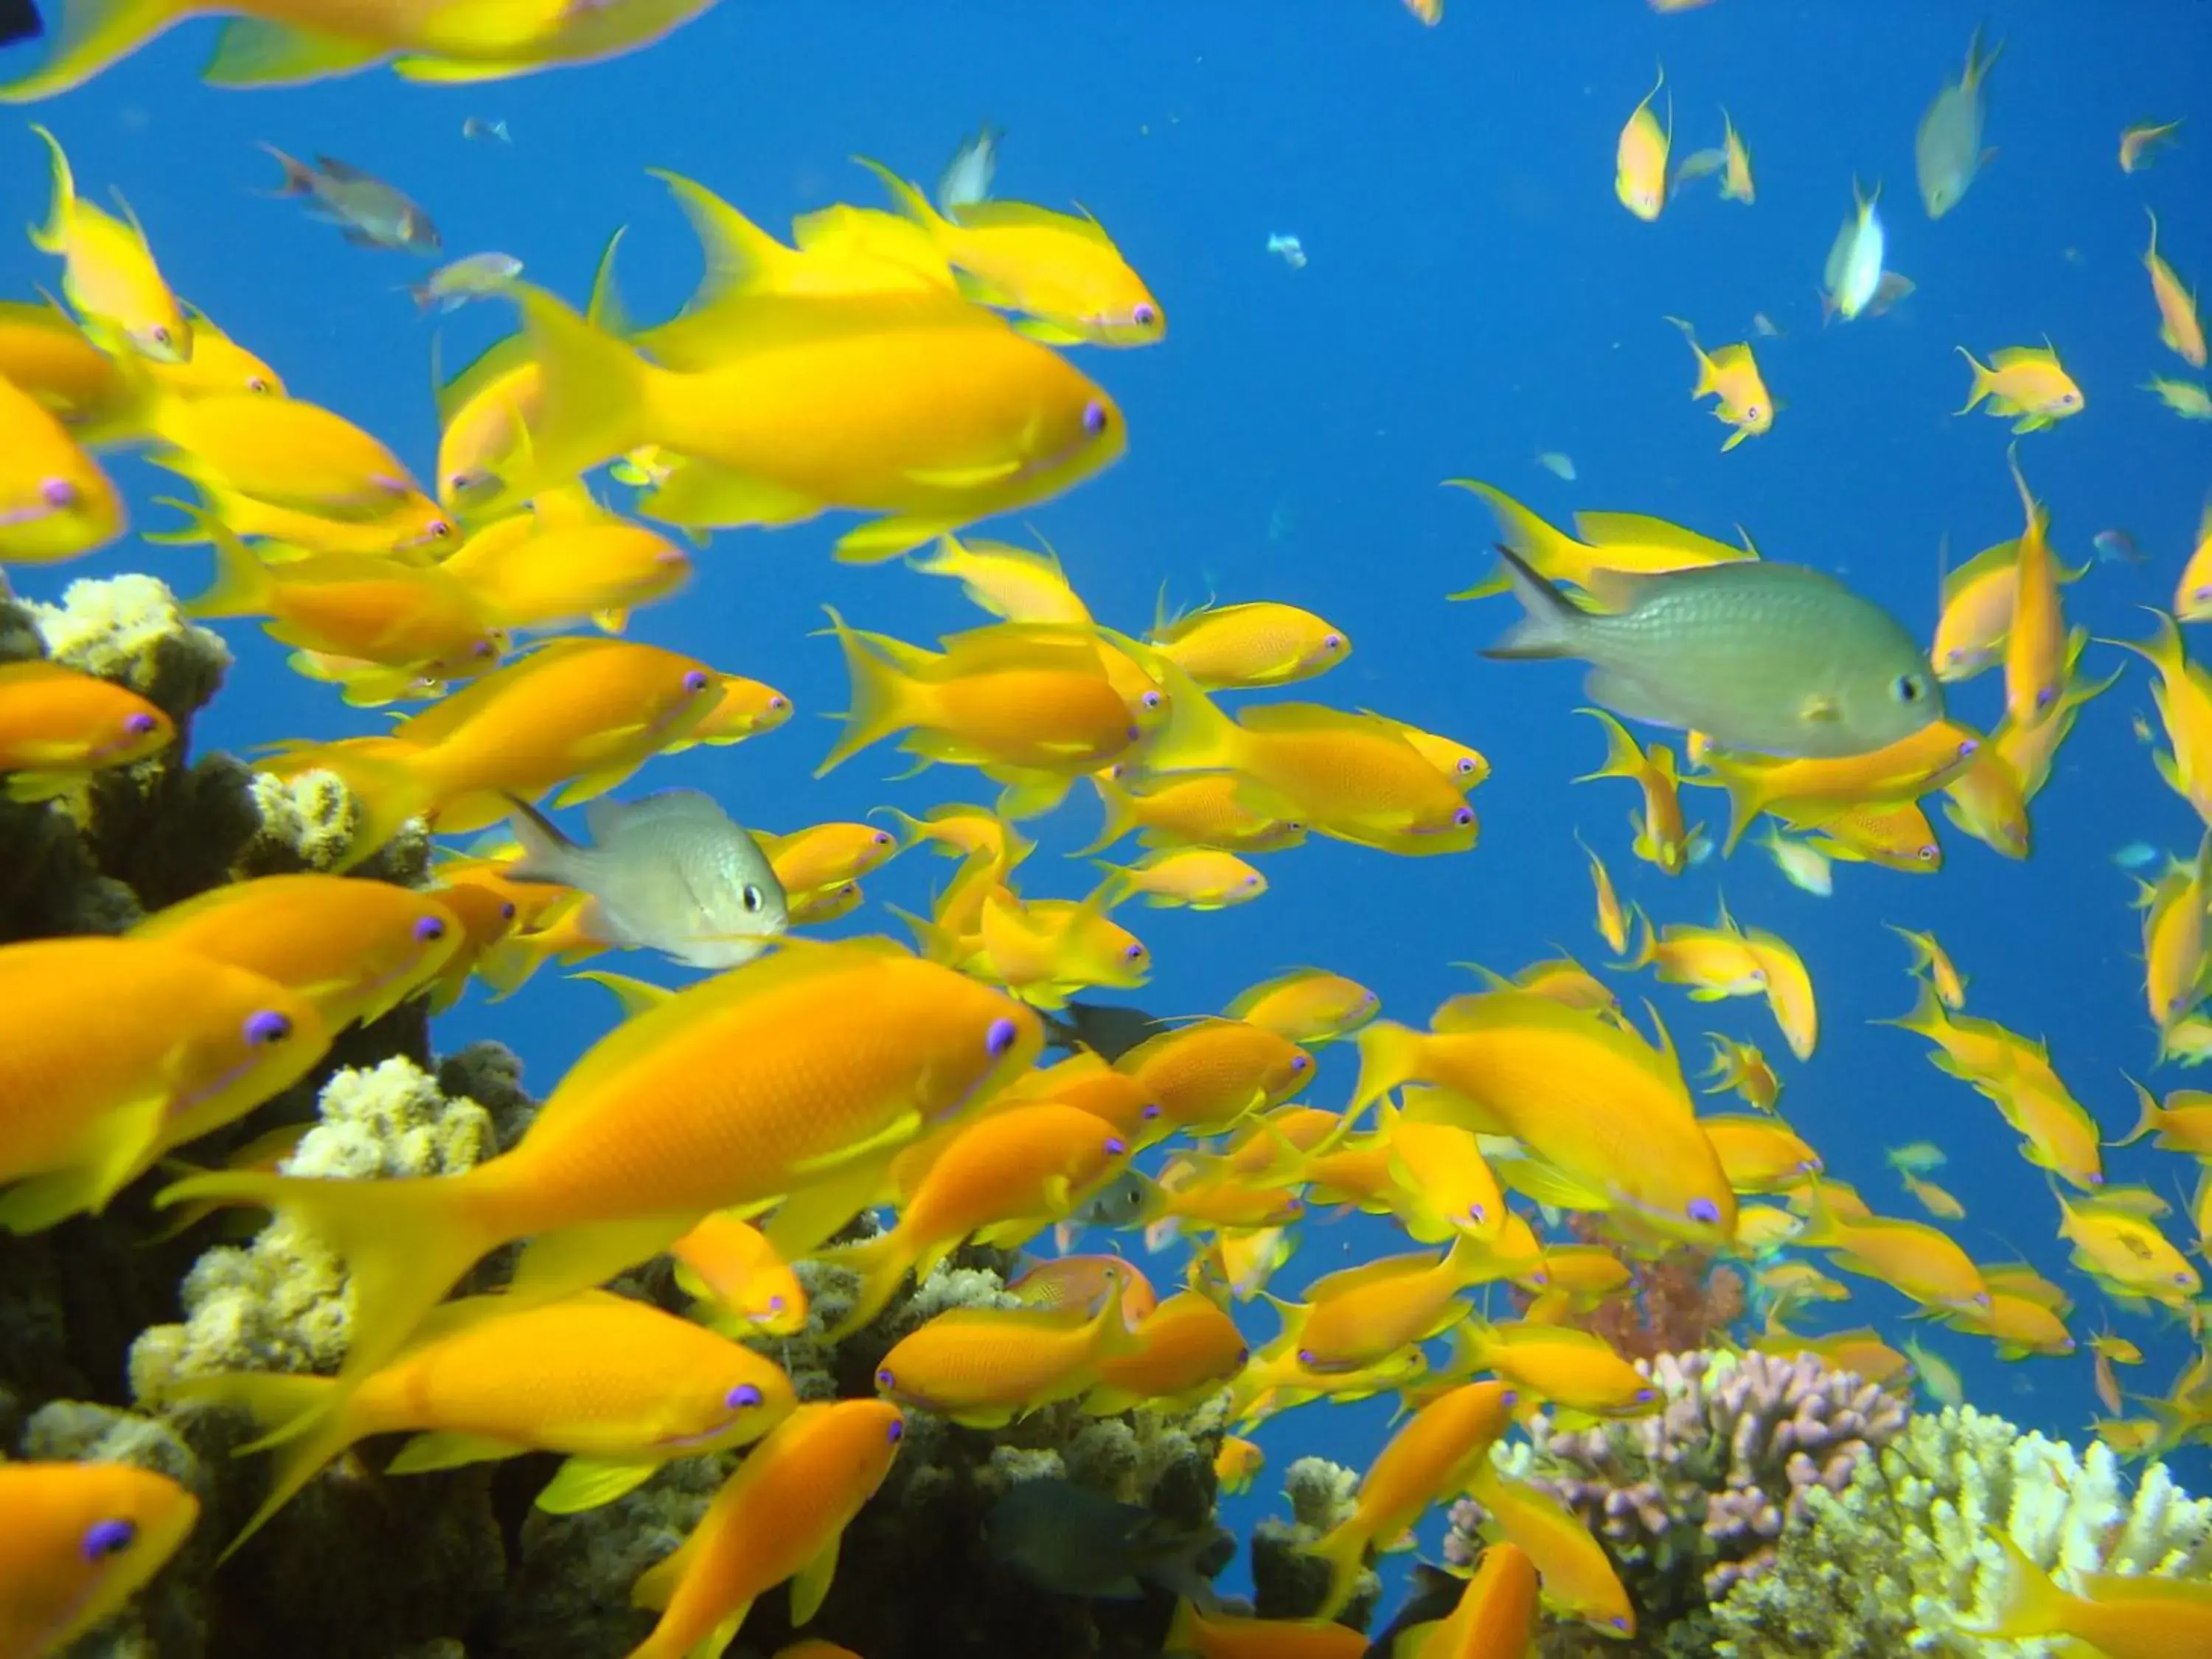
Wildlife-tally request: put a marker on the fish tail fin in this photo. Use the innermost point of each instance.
(909, 201)
(740, 256)
(508, 965)
(1705, 386)
(243, 586)
(274, 1400)
(2146, 1116)
(1547, 629)
(1390, 1056)
(596, 397)
(1197, 736)
(1985, 382)
(299, 177)
(52, 236)
(94, 34)
(1623, 757)
(2030, 1604)
(547, 854)
(883, 1263)
(1119, 807)
(1544, 545)
(882, 697)
(1925, 1017)
(405, 1241)
(1344, 1547)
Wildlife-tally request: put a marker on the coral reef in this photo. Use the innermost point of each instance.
(1677, 1302)
(1690, 1501)
(1898, 1560)
(1286, 1582)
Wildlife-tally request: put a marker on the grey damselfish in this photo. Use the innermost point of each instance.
(1774, 658)
(669, 872)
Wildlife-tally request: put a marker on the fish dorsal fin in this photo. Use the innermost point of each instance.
(1025, 215)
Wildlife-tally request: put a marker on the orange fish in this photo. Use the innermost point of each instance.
(985, 1367)
(1188, 1348)
(618, 1386)
(846, 407)
(730, 1263)
(658, 1124)
(780, 1516)
(81, 1540)
(55, 503)
(58, 726)
(113, 1051)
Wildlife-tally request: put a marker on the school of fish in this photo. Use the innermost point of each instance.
(916, 368)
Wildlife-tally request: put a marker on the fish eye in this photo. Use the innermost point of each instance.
(140, 723)
(1464, 816)
(752, 897)
(1151, 1110)
(999, 1037)
(1907, 688)
(743, 1395)
(428, 929)
(255, 383)
(1465, 765)
(776, 1304)
(507, 911)
(1152, 700)
(1926, 855)
(898, 1426)
(57, 492)
(1116, 1146)
(1135, 952)
(1144, 316)
(885, 1379)
(106, 1538)
(1332, 642)
(779, 702)
(159, 334)
(1299, 1062)
(266, 1027)
(1705, 1210)
(440, 529)
(1094, 418)
(695, 680)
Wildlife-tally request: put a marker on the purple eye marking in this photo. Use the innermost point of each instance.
(1645, 1395)
(1305, 1356)
(1135, 731)
(1135, 952)
(139, 725)
(1508, 1397)
(1705, 1210)
(999, 1037)
(1152, 700)
(776, 1304)
(1464, 816)
(1116, 1146)
(695, 680)
(1252, 880)
(897, 1430)
(1299, 1062)
(266, 1027)
(779, 701)
(885, 1380)
(743, 1395)
(105, 1538)
(1151, 1110)
(429, 929)
(1332, 641)
(1477, 1214)
(880, 839)
(1144, 316)
(507, 911)
(58, 493)
(1094, 418)
(1968, 746)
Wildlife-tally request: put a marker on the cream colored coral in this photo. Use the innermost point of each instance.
(1901, 1560)
(279, 1304)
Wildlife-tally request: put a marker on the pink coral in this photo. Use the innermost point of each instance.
(1691, 1500)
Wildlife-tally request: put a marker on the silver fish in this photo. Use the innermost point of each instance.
(669, 872)
(453, 286)
(967, 177)
(1773, 658)
(368, 212)
(1948, 152)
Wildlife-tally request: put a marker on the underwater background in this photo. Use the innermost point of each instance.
(1470, 297)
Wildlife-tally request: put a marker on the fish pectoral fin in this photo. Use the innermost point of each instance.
(440, 1450)
(251, 52)
(1626, 697)
(1820, 709)
(806, 1220)
(1047, 333)
(962, 478)
(584, 1483)
(887, 539)
(810, 1585)
(129, 1141)
(455, 71)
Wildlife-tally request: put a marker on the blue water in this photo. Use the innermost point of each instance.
(1473, 295)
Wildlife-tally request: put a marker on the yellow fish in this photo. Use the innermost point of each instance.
(1730, 375)
(1639, 178)
(2178, 325)
(109, 271)
(2027, 381)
